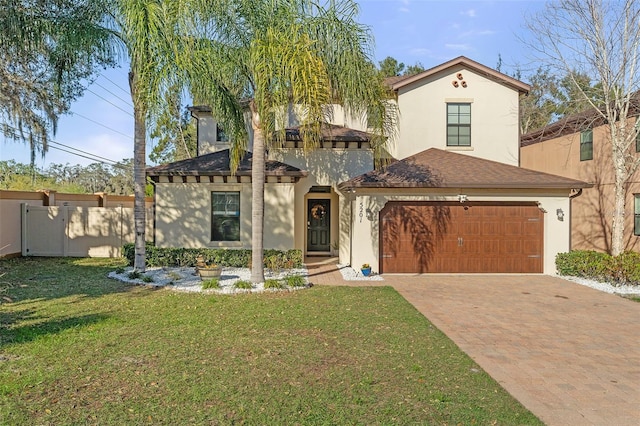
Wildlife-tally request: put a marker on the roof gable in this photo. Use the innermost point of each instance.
(435, 168)
(397, 83)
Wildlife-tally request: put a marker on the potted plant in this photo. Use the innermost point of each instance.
(207, 270)
(365, 269)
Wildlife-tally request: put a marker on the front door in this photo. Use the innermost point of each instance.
(318, 225)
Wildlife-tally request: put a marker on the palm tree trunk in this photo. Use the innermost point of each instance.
(139, 180)
(257, 202)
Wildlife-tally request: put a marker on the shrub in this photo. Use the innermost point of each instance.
(235, 258)
(119, 270)
(622, 269)
(147, 278)
(244, 284)
(295, 281)
(211, 283)
(583, 263)
(271, 283)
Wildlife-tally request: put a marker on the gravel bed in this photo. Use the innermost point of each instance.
(187, 280)
(350, 274)
(626, 290)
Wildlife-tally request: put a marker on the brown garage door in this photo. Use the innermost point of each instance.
(461, 238)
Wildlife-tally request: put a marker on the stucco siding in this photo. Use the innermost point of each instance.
(183, 215)
(592, 211)
(494, 116)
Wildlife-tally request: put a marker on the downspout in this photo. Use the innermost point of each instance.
(351, 203)
(571, 197)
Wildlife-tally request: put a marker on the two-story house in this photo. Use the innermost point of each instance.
(452, 200)
(579, 147)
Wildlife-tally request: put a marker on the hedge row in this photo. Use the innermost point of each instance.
(618, 270)
(240, 258)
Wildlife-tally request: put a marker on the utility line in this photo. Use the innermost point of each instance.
(115, 84)
(118, 166)
(108, 101)
(100, 124)
(127, 102)
(79, 153)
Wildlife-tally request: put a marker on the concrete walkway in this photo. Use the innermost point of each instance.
(568, 353)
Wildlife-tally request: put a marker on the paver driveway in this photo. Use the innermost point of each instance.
(569, 353)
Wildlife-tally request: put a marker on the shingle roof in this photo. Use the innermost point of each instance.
(468, 63)
(217, 164)
(332, 133)
(435, 168)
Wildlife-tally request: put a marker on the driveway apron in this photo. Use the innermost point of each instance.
(569, 353)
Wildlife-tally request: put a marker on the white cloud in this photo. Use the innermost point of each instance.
(476, 33)
(457, 46)
(471, 13)
(419, 51)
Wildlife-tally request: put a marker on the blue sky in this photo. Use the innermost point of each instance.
(425, 31)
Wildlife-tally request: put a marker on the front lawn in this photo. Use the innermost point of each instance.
(79, 348)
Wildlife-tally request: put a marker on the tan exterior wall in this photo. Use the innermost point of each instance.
(591, 212)
(183, 215)
(494, 116)
(10, 217)
(326, 167)
(366, 229)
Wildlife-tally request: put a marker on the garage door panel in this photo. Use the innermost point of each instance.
(449, 237)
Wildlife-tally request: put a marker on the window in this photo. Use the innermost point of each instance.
(638, 134)
(458, 124)
(636, 216)
(225, 216)
(586, 145)
(221, 136)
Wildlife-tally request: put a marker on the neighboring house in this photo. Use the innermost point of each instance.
(579, 147)
(453, 199)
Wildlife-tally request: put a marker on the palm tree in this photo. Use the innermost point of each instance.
(152, 33)
(277, 54)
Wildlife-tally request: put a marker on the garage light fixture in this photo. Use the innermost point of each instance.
(369, 214)
(560, 215)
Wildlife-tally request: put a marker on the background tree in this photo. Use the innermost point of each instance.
(175, 133)
(281, 54)
(601, 40)
(47, 48)
(390, 67)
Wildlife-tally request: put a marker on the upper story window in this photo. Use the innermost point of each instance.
(586, 145)
(636, 216)
(221, 136)
(638, 134)
(458, 124)
(225, 216)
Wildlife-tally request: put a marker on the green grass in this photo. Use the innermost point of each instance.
(79, 348)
